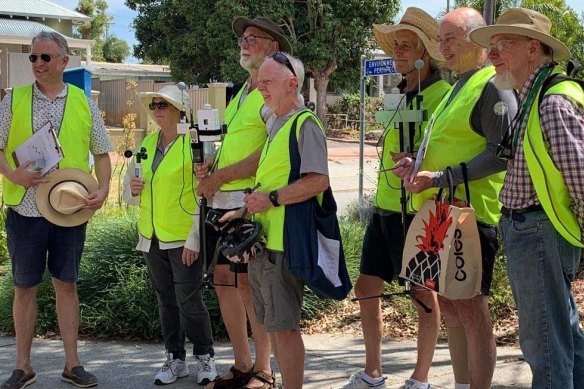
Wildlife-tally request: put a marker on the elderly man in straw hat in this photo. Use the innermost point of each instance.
(469, 124)
(223, 181)
(414, 38)
(164, 193)
(31, 234)
(543, 194)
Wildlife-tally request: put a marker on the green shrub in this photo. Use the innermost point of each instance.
(348, 104)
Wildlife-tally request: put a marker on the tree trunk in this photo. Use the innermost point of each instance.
(320, 84)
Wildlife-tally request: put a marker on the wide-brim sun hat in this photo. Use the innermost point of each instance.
(417, 21)
(61, 199)
(240, 23)
(524, 22)
(171, 94)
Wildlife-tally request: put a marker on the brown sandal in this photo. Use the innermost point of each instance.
(238, 379)
(269, 380)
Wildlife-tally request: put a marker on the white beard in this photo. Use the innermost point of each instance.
(504, 81)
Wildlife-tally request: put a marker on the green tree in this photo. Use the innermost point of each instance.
(93, 29)
(115, 49)
(327, 35)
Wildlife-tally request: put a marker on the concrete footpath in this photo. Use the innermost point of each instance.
(330, 360)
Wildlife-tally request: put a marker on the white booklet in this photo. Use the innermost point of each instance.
(422, 150)
(42, 148)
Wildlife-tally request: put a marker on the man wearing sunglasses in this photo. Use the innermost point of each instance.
(223, 181)
(80, 129)
(292, 169)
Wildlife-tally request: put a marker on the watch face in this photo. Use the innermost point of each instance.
(274, 198)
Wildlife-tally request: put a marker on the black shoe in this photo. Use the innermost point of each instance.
(79, 377)
(19, 380)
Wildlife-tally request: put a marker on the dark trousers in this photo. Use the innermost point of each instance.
(180, 301)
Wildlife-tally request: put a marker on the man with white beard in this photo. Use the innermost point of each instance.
(543, 193)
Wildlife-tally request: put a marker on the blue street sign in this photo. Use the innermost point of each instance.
(379, 67)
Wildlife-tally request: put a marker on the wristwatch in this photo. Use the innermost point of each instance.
(274, 198)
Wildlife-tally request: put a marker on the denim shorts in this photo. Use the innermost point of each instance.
(34, 243)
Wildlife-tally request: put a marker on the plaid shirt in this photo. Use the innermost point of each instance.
(562, 123)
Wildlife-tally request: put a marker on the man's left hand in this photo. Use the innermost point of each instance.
(422, 180)
(189, 256)
(96, 199)
(257, 202)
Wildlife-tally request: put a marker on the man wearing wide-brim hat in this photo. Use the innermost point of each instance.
(414, 38)
(543, 194)
(223, 180)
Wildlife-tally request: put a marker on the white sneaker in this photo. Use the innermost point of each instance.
(172, 370)
(206, 371)
(412, 385)
(358, 381)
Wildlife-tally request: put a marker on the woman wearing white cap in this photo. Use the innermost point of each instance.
(165, 192)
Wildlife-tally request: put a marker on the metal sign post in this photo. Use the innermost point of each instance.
(369, 67)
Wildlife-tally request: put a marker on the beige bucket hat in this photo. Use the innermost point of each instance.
(417, 21)
(240, 23)
(171, 94)
(525, 22)
(61, 199)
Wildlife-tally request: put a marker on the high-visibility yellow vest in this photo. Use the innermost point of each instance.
(246, 134)
(549, 184)
(168, 201)
(273, 173)
(453, 141)
(74, 134)
(389, 185)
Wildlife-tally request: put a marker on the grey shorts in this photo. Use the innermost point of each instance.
(277, 293)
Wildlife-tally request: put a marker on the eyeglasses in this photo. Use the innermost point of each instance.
(503, 44)
(250, 39)
(45, 57)
(281, 58)
(160, 105)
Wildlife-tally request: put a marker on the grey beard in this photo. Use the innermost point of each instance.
(504, 81)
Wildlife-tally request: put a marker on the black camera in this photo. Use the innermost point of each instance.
(213, 217)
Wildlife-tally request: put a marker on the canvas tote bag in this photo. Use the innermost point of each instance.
(442, 251)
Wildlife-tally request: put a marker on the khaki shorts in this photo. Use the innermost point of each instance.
(277, 293)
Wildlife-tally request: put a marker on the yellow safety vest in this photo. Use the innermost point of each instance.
(273, 173)
(246, 134)
(74, 134)
(389, 185)
(453, 141)
(168, 201)
(549, 184)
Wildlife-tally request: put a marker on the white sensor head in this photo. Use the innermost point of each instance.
(419, 64)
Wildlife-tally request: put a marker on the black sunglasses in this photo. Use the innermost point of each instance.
(45, 57)
(281, 58)
(160, 105)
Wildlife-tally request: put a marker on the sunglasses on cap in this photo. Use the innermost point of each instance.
(281, 58)
(160, 105)
(45, 57)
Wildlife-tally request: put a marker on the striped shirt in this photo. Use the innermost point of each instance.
(562, 123)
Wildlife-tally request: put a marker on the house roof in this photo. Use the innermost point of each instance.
(124, 69)
(40, 9)
(18, 31)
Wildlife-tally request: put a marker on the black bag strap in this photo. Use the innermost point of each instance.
(465, 178)
(450, 187)
(555, 79)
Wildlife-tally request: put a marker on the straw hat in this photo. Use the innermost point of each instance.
(525, 22)
(61, 199)
(240, 23)
(171, 94)
(417, 21)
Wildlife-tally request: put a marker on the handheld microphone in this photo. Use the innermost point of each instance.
(140, 155)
